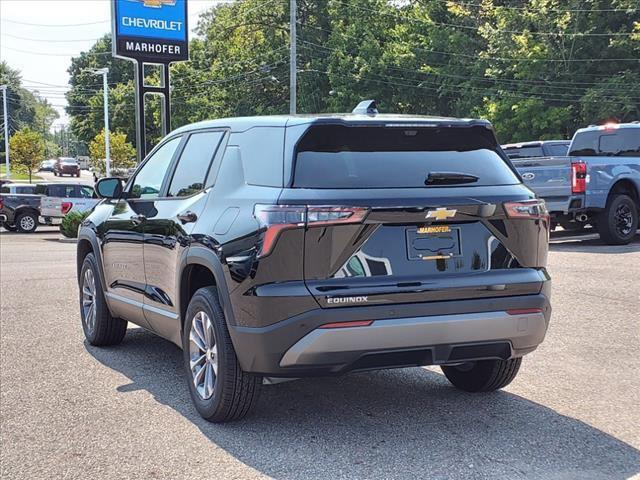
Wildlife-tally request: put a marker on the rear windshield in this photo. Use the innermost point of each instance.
(336, 156)
(524, 152)
(622, 142)
(69, 161)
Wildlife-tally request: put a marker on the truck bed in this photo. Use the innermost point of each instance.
(550, 179)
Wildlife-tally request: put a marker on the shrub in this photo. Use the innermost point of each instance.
(71, 222)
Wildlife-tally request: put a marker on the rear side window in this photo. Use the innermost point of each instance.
(558, 150)
(5, 190)
(25, 189)
(194, 163)
(335, 156)
(524, 152)
(623, 142)
(61, 191)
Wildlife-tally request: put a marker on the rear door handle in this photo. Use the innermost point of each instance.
(138, 219)
(187, 217)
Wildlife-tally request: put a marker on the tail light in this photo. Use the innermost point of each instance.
(66, 206)
(528, 209)
(578, 177)
(277, 218)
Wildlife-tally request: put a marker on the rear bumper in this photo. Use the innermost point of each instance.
(400, 335)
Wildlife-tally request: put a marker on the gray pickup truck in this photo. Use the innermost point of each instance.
(597, 183)
(19, 207)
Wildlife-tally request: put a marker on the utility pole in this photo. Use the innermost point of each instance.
(293, 80)
(6, 128)
(105, 91)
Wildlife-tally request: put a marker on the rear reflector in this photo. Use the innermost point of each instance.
(524, 311)
(358, 323)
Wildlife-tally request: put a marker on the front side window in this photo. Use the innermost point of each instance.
(191, 172)
(148, 181)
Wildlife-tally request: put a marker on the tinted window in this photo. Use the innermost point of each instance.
(148, 181)
(558, 150)
(29, 189)
(5, 190)
(190, 174)
(69, 161)
(60, 191)
(617, 142)
(85, 191)
(524, 152)
(385, 157)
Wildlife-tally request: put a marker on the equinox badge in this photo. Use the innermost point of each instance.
(360, 299)
(441, 213)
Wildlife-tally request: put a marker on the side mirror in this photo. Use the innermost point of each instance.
(110, 187)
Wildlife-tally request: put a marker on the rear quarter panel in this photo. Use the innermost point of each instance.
(604, 172)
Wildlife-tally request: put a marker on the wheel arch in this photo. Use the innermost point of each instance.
(202, 268)
(625, 186)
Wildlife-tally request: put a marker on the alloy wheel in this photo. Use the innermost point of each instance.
(203, 355)
(89, 301)
(27, 223)
(624, 219)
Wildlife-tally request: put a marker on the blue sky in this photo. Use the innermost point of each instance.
(39, 37)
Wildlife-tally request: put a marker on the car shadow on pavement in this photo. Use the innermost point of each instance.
(593, 245)
(406, 423)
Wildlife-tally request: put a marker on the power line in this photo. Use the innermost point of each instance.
(476, 57)
(560, 10)
(470, 27)
(540, 83)
(52, 40)
(54, 25)
(49, 54)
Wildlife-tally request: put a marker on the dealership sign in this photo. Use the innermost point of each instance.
(151, 31)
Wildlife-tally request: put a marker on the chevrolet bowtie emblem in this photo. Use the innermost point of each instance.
(156, 3)
(441, 213)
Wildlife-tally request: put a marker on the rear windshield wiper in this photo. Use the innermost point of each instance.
(449, 178)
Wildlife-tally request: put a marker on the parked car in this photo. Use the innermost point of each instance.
(66, 166)
(597, 184)
(19, 207)
(84, 162)
(47, 166)
(294, 246)
(58, 199)
(546, 148)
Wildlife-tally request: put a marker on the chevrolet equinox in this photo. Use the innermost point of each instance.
(281, 247)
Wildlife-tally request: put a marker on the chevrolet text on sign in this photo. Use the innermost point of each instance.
(153, 31)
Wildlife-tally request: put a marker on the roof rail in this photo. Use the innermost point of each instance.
(366, 107)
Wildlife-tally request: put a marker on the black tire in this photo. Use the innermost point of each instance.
(105, 329)
(618, 222)
(9, 228)
(234, 391)
(483, 375)
(26, 222)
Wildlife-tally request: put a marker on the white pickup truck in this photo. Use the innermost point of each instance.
(58, 199)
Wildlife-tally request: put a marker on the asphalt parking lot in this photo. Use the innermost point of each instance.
(70, 410)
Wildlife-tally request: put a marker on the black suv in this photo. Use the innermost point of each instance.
(294, 246)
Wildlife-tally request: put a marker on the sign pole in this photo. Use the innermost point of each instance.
(6, 128)
(293, 40)
(150, 32)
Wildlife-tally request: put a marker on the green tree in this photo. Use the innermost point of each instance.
(27, 150)
(122, 153)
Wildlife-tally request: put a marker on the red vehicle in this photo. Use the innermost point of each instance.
(66, 166)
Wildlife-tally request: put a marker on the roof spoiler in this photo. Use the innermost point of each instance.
(366, 107)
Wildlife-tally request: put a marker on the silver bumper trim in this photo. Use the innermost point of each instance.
(524, 332)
